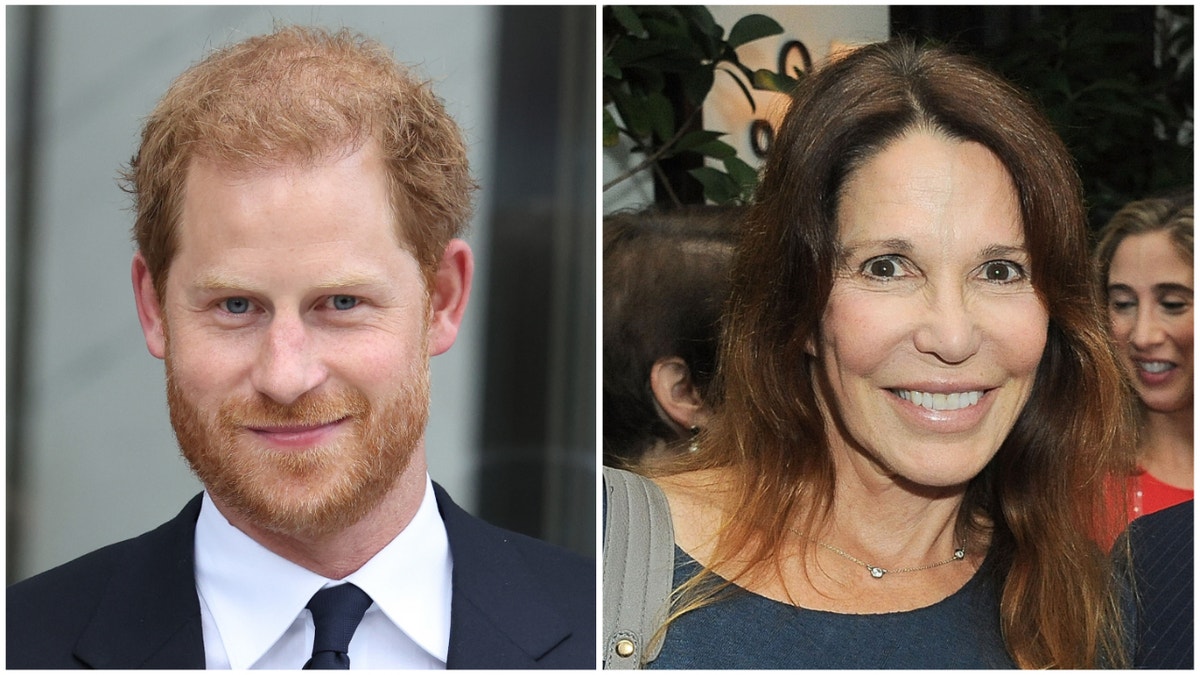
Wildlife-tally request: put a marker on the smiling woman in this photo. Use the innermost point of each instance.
(1145, 261)
(922, 315)
(916, 403)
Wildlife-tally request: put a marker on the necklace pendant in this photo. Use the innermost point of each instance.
(877, 572)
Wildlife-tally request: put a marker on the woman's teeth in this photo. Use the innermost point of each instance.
(956, 401)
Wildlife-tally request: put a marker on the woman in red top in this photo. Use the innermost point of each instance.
(1145, 263)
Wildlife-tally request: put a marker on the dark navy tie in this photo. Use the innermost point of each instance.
(336, 611)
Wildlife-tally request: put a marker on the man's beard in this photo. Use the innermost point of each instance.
(311, 492)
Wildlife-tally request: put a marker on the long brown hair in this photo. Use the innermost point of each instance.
(1043, 494)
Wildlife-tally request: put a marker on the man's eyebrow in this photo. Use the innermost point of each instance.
(220, 281)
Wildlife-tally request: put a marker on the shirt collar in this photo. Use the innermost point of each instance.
(410, 579)
(254, 595)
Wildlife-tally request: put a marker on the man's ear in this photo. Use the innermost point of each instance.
(149, 308)
(672, 385)
(449, 295)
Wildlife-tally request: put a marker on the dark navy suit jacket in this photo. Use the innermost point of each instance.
(516, 603)
(1164, 567)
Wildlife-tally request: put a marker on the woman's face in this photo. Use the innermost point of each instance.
(933, 332)
(1150, 306)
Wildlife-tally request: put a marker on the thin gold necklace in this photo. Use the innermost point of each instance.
(878, 572)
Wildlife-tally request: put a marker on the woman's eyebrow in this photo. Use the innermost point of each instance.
(1004, 251)
(895, 245)
(1172, 287)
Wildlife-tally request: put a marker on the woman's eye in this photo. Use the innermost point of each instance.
(343, 302)
(236, 305)
(1174, 306)
(1003, 271)
(883, 267)
(1122, 305)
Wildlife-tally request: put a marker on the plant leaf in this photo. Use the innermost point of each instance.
(611, 69)
(611, 135)
(702, 19)
(716, 150)
(769, 80)
(693, 139)
(697, 84)
(718, 187)
(635, 112)
(661, 116)
(632, 52)
(742, 173)
(704, 31)
(629, 20)
(753, 27)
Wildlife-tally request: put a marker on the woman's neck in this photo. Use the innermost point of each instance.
(1166, 450)
(891, 522)
(879, 521)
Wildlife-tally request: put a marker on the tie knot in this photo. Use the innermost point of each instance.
(336, 612)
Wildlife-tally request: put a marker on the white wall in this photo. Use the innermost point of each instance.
(726, 108)
(101, 460)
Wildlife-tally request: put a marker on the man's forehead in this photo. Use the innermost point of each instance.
(205, 171)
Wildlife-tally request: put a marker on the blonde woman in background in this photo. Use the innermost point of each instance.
(1145, 261)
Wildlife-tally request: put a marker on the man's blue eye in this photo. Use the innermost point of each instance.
(344, 302)
(237, 305)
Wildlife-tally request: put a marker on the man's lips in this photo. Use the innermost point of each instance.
(296, 435)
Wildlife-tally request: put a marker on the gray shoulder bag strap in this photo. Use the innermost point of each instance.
(639, 560)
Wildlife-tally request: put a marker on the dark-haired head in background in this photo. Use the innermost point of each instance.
(666, 277)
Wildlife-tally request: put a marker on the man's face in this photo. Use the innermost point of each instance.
(295, 331)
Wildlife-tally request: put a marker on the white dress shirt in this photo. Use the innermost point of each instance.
(252, 601)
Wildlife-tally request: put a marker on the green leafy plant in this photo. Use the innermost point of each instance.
(1117, 83)
(660, 63)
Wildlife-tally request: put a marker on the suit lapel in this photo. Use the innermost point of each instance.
(149, 615)
(499, 616)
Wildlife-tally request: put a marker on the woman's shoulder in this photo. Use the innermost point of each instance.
(695, 501)
(698, 502)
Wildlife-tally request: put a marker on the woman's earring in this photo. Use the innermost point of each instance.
(695, 444)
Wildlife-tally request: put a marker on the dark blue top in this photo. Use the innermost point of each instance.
(1164, 562)
(748, 631)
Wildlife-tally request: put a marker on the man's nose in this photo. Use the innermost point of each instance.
(288, 364)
